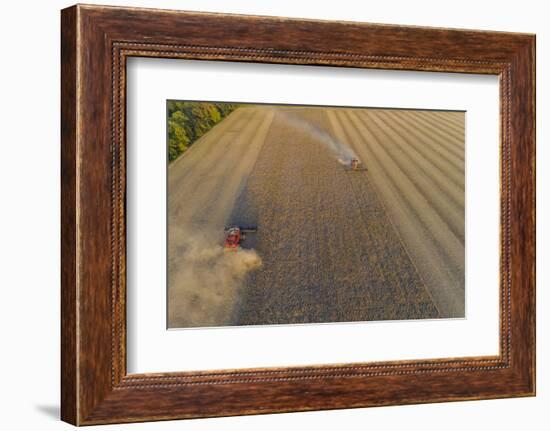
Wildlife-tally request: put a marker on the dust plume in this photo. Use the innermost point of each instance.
(340, 150)
(211, 280)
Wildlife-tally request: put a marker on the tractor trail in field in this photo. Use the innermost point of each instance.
(204, 281)
(330, 253)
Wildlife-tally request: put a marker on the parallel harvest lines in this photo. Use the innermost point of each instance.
(450, 117)
(448, 145)
(214, 171)
(446, 155)
(426, 172)
(454, 127)
(422, 210)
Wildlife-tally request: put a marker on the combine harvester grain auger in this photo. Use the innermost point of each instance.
(235, 235)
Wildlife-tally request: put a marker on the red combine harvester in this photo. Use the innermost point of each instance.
(234, 235)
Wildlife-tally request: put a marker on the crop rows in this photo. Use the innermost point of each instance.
(330, 253)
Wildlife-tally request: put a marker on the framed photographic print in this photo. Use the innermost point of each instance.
(267, 215)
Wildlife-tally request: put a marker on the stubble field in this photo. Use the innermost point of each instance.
(332, 245)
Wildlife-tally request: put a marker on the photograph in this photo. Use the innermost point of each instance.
(301, 214)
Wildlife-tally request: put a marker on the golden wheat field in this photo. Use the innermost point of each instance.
(385, 242)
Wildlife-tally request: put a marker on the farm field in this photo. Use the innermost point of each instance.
(333, 245)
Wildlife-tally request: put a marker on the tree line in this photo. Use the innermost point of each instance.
(188, 121)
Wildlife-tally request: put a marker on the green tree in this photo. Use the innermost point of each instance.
(188, 121)
(178, 138)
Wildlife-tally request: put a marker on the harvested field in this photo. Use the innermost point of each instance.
(332, 245)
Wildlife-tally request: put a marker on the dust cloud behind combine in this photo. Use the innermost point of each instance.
(203, 280)
(210, 279)
(339, 149)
